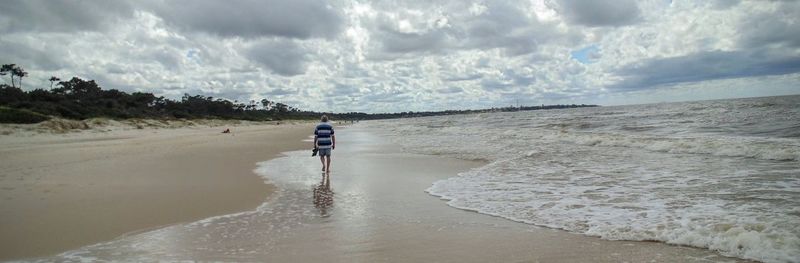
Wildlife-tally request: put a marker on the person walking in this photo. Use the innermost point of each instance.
(324, 142)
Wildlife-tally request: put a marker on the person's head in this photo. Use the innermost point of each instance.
(324, 118)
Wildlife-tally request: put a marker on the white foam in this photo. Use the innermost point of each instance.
(651, 172)
(633, 211)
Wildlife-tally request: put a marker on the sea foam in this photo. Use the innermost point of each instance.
(722, 175)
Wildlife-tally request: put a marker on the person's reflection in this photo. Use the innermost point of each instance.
(323, 196)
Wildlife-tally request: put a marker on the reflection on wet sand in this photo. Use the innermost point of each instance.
(323, 195)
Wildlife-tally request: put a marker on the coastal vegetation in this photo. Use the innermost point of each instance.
(80, 99)
(9, 115)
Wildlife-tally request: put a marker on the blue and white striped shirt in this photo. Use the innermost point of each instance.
(323, 133)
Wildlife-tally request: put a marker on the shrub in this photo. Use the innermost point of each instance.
(9, 115)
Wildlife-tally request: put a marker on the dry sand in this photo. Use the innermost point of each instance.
(63, 191)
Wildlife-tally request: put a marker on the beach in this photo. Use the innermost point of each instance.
(465, 131)
(67, 190)
(371, 207)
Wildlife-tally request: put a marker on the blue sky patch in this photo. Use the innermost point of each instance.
(586, 55)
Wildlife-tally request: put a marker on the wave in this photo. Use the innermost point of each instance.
(766, 149)
(588, 203)
(720, 175)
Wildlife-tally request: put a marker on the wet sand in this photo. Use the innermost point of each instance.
(371, 208)
(64, 191)
(380, 213)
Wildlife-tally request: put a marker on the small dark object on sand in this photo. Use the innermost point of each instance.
(227, 131)
(314, 152)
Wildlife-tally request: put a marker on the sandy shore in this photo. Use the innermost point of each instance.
(63, 191)
(372, 209)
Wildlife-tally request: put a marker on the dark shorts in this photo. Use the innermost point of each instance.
(324, 152)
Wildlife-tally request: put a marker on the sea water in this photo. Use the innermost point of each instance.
(722, 175)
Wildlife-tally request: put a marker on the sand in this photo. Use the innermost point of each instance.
(379, 213)
(63, 191)
(371, 208)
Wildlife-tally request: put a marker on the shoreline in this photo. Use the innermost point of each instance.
(372, 209)
(61, 192)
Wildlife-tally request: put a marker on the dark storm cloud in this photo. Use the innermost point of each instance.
(301, 19)
(705, 66)
(282, 57)
(61, 15)
(600, 13)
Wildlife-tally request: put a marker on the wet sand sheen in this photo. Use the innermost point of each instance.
(374, 209)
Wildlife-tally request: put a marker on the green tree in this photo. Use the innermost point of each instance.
(267, 104)
(20, 73)
(282, 108)
(10, 95)
(52, 80)
(6, 69)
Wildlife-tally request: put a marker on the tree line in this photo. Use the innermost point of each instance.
(15, 72)
(82, 99)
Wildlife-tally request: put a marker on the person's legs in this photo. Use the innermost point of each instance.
(323, 153)
(329, 164)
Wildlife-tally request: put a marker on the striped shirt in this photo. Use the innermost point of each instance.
(323, 134)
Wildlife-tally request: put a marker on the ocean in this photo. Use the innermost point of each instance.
(722, 175)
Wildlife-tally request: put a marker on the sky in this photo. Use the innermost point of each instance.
(411, 55)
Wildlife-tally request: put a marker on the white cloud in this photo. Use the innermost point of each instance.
(381, 56)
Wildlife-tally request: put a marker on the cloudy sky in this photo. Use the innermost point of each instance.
(400, 55)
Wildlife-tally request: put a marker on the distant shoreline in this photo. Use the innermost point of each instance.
(78, 99)
(106, 125)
